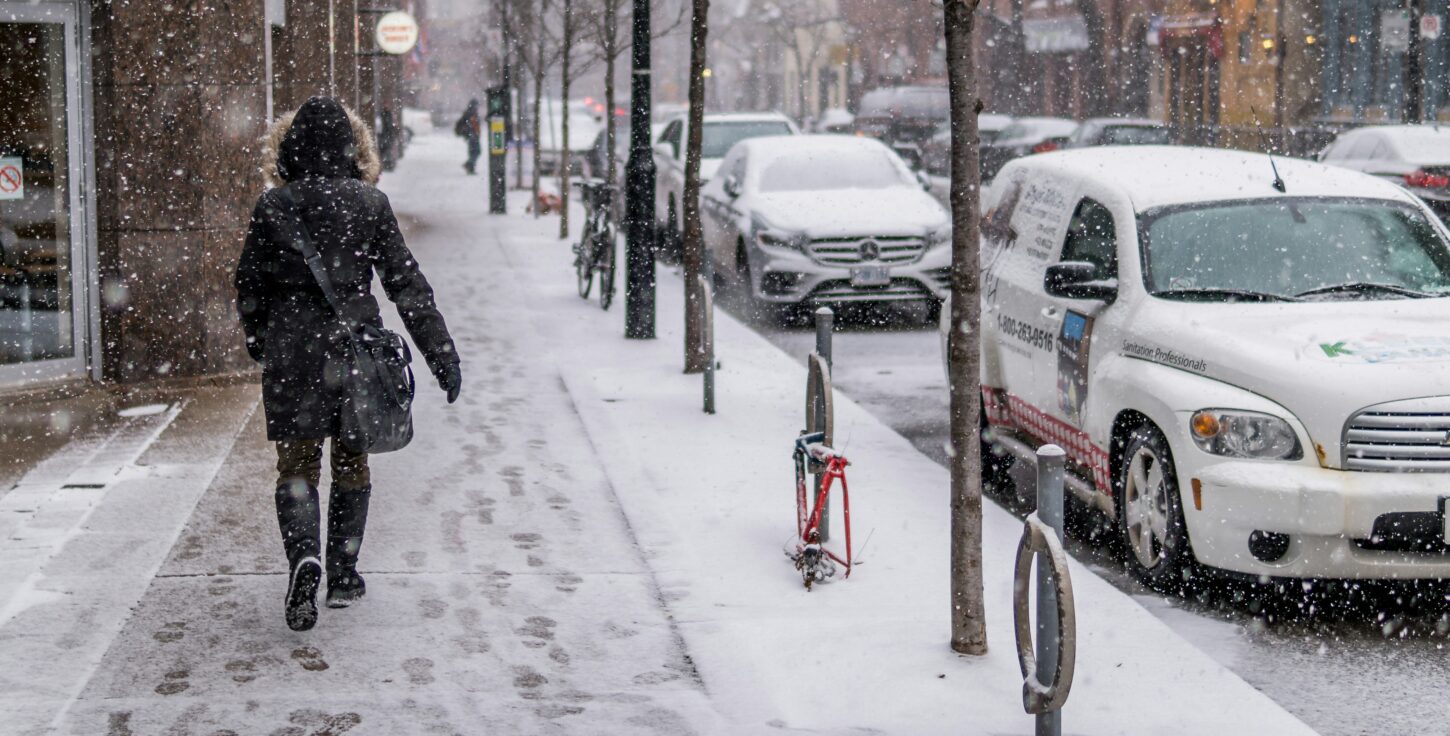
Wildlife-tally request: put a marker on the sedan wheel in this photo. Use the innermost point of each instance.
(1150, 513)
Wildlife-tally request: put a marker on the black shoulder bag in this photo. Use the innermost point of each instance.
(377, 390)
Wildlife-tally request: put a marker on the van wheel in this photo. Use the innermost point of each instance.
(1150, 513)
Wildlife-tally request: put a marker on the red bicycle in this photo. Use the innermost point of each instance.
(812, 558)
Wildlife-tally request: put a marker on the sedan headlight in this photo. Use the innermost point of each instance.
(770, 236)
(1244, 434)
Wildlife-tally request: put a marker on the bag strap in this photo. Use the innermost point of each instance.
(301, 241)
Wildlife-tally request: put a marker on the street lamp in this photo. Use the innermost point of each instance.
(639, 186)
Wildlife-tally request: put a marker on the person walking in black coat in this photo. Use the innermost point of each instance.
(327, 161)
(469, 126)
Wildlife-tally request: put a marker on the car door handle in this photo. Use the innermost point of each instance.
(1049, 312)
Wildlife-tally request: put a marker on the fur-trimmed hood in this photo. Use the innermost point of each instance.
(365, 148)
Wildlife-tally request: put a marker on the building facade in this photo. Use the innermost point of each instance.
(129, 164)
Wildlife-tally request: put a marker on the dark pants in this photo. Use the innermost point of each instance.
(299, 472)
(475, 149)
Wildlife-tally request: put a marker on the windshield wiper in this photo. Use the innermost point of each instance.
(1361, 287)
(1208, 294)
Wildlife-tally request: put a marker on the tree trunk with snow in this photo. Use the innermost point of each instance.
(694, 236)
(564, 163)
(968, 615)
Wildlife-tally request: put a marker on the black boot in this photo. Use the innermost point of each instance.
(347, 516)
(297, 515)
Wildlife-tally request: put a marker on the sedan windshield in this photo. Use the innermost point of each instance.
(841, 169)
(1292, 249)
(717, 138)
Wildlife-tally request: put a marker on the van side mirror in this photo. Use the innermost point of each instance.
(1079, 280)
(732, 185)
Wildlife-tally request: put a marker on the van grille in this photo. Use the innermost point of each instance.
(1414, 442)
(851, 251)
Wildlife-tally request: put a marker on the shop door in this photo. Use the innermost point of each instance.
(43, 265)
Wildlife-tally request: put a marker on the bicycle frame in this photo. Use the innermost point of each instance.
(808, 523)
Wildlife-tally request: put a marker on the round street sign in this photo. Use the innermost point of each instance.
(397, 32)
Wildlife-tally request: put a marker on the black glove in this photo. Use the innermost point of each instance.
(450, 379)
(256, 349)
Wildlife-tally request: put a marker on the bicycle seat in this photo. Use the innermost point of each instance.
(813, 446)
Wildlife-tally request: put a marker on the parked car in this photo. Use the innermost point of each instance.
(835, 120)
(1249, 371)
(718, 133)
(1416, 157)
(583, 128)
(825, 219)
(1023, 137)
(902, 114)
(936, 151)
(1119, 132)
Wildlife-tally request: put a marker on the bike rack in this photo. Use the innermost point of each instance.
(1047, 664)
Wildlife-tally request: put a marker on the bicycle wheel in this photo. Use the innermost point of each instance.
(605, 251)
(584, 266)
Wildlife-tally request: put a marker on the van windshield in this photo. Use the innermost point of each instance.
(1294, 249)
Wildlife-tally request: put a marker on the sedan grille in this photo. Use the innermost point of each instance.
(853, 251)
(1415, 442)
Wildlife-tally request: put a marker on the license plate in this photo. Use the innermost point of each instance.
(870, 276)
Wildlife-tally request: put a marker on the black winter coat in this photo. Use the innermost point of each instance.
(289, 325)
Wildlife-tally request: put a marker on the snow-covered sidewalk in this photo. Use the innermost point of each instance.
(572, 548)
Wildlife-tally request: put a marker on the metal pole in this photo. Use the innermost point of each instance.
(707, 335)
(825, 323)
(1414, 75)
(498, 162)
(639, 290)
(1050, 464)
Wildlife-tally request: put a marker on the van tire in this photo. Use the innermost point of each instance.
(1150, 513)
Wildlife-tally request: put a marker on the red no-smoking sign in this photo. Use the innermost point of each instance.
(12, 178)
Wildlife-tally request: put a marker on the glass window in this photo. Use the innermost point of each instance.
(1286, 247)
(850, 168)
(717, 138)
(1092, 238)
(1136, 135)
(35, 219)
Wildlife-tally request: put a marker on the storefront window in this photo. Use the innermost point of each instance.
(36, 296)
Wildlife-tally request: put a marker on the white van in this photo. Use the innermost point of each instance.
(1247, 361)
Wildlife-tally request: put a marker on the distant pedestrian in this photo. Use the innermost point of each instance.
(470, 127)
(323, 162)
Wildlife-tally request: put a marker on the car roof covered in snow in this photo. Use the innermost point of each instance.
(1158, 176)
(738, 117)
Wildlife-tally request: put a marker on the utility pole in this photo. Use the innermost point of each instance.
(968, 614)
(1414, 74)
(639, 290)
(498, 159)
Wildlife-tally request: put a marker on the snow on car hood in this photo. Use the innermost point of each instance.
(901, 210)
(1321, 361)
(708, 167)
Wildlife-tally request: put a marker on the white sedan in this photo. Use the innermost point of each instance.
(1416, 157)
(825, 219)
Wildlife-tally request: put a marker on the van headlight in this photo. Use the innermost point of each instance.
(1244, 434)
(771, 236)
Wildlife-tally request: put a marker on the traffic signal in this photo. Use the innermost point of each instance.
(498, 102)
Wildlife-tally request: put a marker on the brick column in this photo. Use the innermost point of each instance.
(179, 109)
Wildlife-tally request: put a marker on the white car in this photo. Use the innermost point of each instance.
(825, 219)
(1416, 157)
(717, 134)
(1247, 369)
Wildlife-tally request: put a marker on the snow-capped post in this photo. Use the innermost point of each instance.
(639, 289)
(707, 338)
(694, 238)
(968, 614)
(1048, 660)
(1050, 461)
(825, 325)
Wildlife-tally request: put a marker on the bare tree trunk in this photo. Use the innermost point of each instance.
(969, 623)
(564, 163)
(611, 50)
(694, 236)
(519, 55)
(538, 152)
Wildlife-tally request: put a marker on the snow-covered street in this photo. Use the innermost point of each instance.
(573, 548)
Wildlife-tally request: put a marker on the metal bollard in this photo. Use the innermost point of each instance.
(1050, 466)
(825, 324)
(707, 334)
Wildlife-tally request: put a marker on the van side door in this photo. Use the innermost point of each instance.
(1092, 238)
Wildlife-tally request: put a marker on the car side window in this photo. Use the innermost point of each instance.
(672, 137)
(1093, 238)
